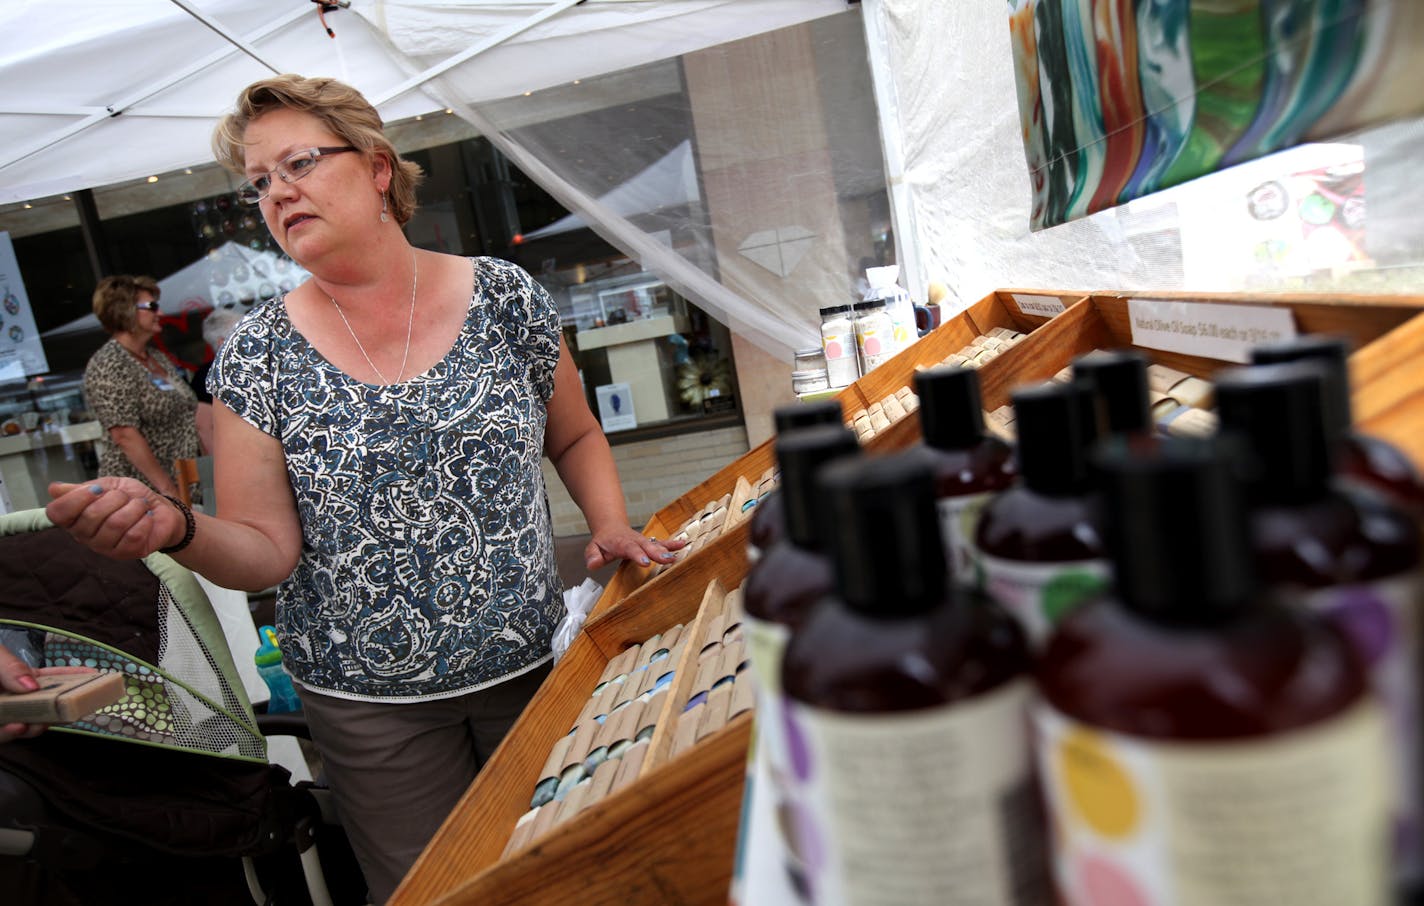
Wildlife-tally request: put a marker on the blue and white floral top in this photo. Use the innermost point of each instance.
(427, 566)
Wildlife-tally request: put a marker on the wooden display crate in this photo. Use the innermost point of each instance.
(667, 838)
(1386, 334)
(998, 309)
(670, 836)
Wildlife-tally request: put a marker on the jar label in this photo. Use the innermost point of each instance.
(958, 520)
(1299, 818)
(1040, 594)
(1382, 621)
(836, 345)
(922, 807)
(842, 368)
(875, 341)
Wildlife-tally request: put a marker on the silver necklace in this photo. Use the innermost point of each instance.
(409, 325)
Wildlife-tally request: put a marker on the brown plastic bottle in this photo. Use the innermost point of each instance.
(1038, 542)
(1199, 741)
(1368, 460)
(970, 466)
(768, 523)
(781, 588)
(906, 713)
(795, 572)
(1117, 380)
(1333, 548)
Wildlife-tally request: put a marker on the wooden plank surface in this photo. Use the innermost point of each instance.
(713, 597)
(668, 839)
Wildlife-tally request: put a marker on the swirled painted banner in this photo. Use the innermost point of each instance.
(1121, 98)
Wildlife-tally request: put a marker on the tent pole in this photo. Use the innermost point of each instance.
(92, 228)
(475, 50)
(226, 35)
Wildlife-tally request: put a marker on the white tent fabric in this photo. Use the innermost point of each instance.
(963, 193)
(95, 92)
(588, 39)
(671, 181)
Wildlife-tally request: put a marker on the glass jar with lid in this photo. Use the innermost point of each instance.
(809, 372)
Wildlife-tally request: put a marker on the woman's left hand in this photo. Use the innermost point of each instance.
(626, 544)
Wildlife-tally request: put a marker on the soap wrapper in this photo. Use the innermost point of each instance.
(578, 602)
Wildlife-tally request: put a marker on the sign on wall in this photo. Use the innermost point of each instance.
(21, 353)
(615, 407)
(1119, 99)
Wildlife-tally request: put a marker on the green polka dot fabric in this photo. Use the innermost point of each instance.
(183, 702)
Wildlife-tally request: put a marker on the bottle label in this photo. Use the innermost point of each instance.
(925, 807)
(958, 520)
(1041, 594)
(839, 346)
(875, 340)
(1299, 818)
(1382, 621)
(766, 643)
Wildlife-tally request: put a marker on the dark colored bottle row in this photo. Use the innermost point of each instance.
(1192, 664)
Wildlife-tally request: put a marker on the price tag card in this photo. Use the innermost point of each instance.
(1041, 306)
(1208, 329)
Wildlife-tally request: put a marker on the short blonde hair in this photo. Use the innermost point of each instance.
(114, 300)
(341, 108)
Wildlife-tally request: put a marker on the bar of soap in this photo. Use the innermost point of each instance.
(62, 699)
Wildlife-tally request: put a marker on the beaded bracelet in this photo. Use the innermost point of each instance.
(190, 526)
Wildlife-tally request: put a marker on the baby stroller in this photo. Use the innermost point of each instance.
(167, 795)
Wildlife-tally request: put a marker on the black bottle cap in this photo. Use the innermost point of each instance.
(799, 454)
(951, 409)
(1278, 412)
(1176, 528)
(1118, 382)
(1333, 355)
(884, 534)
(805, 415)
(1056, 431)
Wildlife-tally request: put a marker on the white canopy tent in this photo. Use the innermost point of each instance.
(95, 92)
(230, 275)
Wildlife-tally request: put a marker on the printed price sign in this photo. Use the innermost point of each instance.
(1208, 329)
(1041, 306)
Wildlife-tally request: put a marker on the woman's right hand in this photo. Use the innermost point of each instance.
(121, 518)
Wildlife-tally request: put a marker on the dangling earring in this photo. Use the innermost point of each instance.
(384, 208)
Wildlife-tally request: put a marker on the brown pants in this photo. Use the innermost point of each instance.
(396, 770)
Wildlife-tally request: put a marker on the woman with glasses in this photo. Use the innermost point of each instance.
(379, 434)
(143, 401)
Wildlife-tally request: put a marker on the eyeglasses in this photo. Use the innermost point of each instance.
(291, 168)
(146, 306)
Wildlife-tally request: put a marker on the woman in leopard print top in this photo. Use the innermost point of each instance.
(141, 400)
